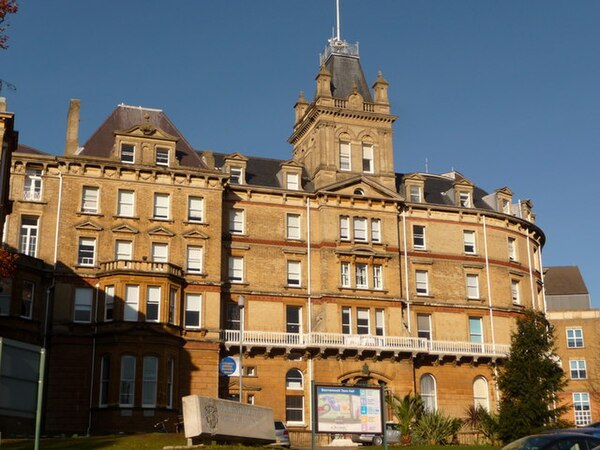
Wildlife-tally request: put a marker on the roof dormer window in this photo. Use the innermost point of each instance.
(162, 156)
(127, 153)
(292, 181)
(464, 199)
(236, 175)
(416, 194)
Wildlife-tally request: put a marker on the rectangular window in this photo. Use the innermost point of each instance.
(236, 175)
(149, 381)
(194, 259)
(29, 235)
(250, 399)
(344, 228)
(422, 282)
(505, 206)
(377, 276)
(153, 304)
(293, 273)
(362, 280)
(89, 199)
(192, 310)
(345, 274)
(6, 285)
(512, 249)
(127, 153)
(170, 378)
(233, 316)
(109, 303)
(161, 206)
(514, 292)
(125, 207)
(472, 286)
(294, 409)
(362, 321)
(123, 250)
(172, 305)
(292, 181)
(104, 380)
(574, 338)
(132, 302)
(160, 252)
(375, 230)
(578, 370)
(360, 229)
(32, 190)
(464, 199)
(27, 299)
(367, 158)
(195, 209)
(236, 221)
(415, 194)
(345, 163)
(293, 226)
(379, 322)
(469, 242)
(419, 237)
(236, 269)
(162, 156)
(475, 330)
(346, 320)
(82, 310)
(293, 318)
(127, 385)
(424, 326)
(86, 254)
(581, 406)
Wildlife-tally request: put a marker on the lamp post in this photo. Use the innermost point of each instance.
(241, 303)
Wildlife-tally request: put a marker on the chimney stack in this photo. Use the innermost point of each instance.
(2, 104)
(72, 143)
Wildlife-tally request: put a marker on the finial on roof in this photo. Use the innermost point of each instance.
(147, 128)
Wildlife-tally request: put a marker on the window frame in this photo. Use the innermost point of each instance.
(153, 300)
(33, 185)
(124, 149)
(292, 181)
(346, 322)
(360, 233)
(104, 385)
(361, 274)
(194, 259)
(576, 341)
(294, 380)
(123, 204)
(83, 304)
(131, 303)
(475, 332)
(345, 156)
(344, 228)
(378, 277)
(419, 239)
(480, 400)
(289, 409)
(87, 245)
(29, 235)
(149, 380)
(379, 322)
(292, 230)
(161, 211)
(160, 161)
(512, 249)
(363, 324)
(580, 369)
(86, 199)
(194, 308)
(422, 282)
(429, 397)
(424, 333)
(415, 193)
(368, 158)
(109, 300)
(236, 175)
(27, 303)
(464, 199)
(515, 291)
(195, 212)
(127, 380)
(469, 242)
(472, 284)
(237, 221)
(294, 273)
(376, 231)
(158, 256)
(582, 408)
(123, 250)
(236, 269)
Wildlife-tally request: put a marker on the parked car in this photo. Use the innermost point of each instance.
(555, 441)
(392, 434)
(282, 436)
(593, 431)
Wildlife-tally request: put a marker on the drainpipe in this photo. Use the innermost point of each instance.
(93, 368)
(489, 284)
(543, 283)
(406, 272)
(534, 300)
(309, 269)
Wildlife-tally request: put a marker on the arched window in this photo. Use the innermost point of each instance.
(428, 392)
(294, 380)
(481, 393)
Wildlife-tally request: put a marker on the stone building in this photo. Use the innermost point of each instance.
(334, 266)
(577, 330)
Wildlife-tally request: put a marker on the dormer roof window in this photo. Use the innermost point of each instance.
(292, 181)
(162, 156)
(236, 175)
(464, 199)
(127, 153)
(416, 194)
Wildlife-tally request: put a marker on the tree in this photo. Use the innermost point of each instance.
(408, 410)
(6, 7)
(530, 380)
(8, 263)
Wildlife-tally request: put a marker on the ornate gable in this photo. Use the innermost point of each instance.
(89, 226)
(161, 231)
(124, 229)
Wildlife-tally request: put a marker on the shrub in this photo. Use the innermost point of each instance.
(435, 428)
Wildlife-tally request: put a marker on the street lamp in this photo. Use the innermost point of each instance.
(241, 303)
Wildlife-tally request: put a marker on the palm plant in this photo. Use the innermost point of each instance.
(408, 410)
(435, 428)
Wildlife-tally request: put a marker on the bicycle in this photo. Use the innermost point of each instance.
(161, 427)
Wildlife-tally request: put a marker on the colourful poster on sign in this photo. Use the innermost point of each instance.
(348, 409)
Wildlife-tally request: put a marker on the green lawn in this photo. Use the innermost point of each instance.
(156, 441)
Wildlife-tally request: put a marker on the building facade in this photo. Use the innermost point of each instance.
(577, 330)
(156, 261)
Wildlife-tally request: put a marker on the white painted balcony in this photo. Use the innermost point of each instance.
(362, 342)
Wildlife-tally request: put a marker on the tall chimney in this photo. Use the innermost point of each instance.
(2, 104)
(72, 143)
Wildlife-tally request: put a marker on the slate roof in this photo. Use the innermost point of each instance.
(346, 72)
(100, 144)
(564, 280)
(30, 150)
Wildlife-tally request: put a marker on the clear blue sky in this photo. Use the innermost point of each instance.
(507, 92)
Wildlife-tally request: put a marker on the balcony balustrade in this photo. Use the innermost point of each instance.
(141, 266)
(362, 342)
